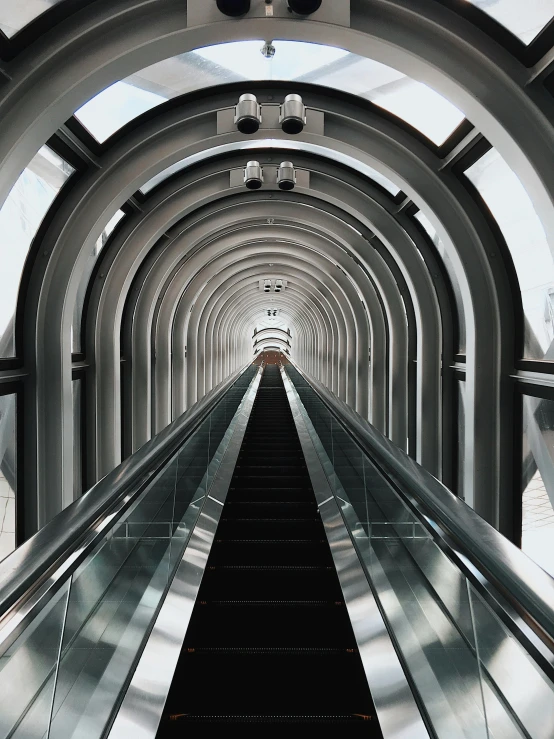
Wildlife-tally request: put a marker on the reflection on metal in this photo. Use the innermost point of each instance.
(475, 546)
(394, 702)
(141, 710)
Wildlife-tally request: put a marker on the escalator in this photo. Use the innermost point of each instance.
(269, 563)
(270, 632)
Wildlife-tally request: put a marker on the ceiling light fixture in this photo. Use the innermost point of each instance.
(233, 8)
(253, 176)
(292, 115)
(304, 7)
(248, 114)
(286, 176)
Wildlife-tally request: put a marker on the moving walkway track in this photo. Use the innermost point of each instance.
(270, 562)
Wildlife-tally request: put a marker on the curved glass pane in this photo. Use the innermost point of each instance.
(437, 241)
(20, 218)
(524, 18)
(115, 106)
(337, 156)
(242, 61)
(8, 472)
(87, 271)
(513, 210)
(537, 483)
(16, 14)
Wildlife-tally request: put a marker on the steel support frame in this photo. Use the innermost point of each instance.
(316, 246)
(429, 181)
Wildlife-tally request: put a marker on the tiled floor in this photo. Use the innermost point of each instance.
(538, 524)
(7, 518)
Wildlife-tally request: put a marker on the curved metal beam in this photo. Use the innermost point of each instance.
(451, 209)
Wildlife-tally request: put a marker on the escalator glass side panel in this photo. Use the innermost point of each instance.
(73, 660)
(473, 677)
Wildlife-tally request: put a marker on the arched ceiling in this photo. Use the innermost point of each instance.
(155, 252)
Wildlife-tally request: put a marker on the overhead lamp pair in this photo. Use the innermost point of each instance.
(292, 114)
(278, 288)
(254, 176)
(236, 8)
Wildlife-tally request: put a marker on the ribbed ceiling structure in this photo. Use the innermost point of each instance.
(413, 254)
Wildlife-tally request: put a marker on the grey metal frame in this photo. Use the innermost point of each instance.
(427, 340)
(507, 101)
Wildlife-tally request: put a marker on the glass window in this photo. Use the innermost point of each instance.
(20, 218)
(274, 144)
(524, 18)
(513, 210)
(8, 473)
(77, 438)
(238, 61)
(437, 241)
(538, 481)
(111, 109)
(16, 14)
(76, 346)
(461, 432)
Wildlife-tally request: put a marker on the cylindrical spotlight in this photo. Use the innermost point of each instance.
(292, 115)
(286, 176)
(267, 288)
(248, 114)
(253, 176)
(234, 8)
(304, 7)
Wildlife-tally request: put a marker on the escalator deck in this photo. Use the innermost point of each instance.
(270, 641)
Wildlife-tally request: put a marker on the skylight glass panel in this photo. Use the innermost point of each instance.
(421, 107)
(412, 101)
(16, 14)
(111, 109)
(20, 218)
(524, 18)
(292, 59)
(242, 61)
(522, 229)
(337, 156)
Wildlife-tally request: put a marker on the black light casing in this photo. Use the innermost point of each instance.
(233, 8)
(304, 7)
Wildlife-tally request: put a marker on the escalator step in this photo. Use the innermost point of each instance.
(278, 528)
(271, 552)
(269, 624)
(281, 719)
(292, 683)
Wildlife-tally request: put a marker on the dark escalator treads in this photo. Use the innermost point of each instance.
(270, 647)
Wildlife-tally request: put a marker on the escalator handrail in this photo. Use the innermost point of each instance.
(35, 559)
(523, 583)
